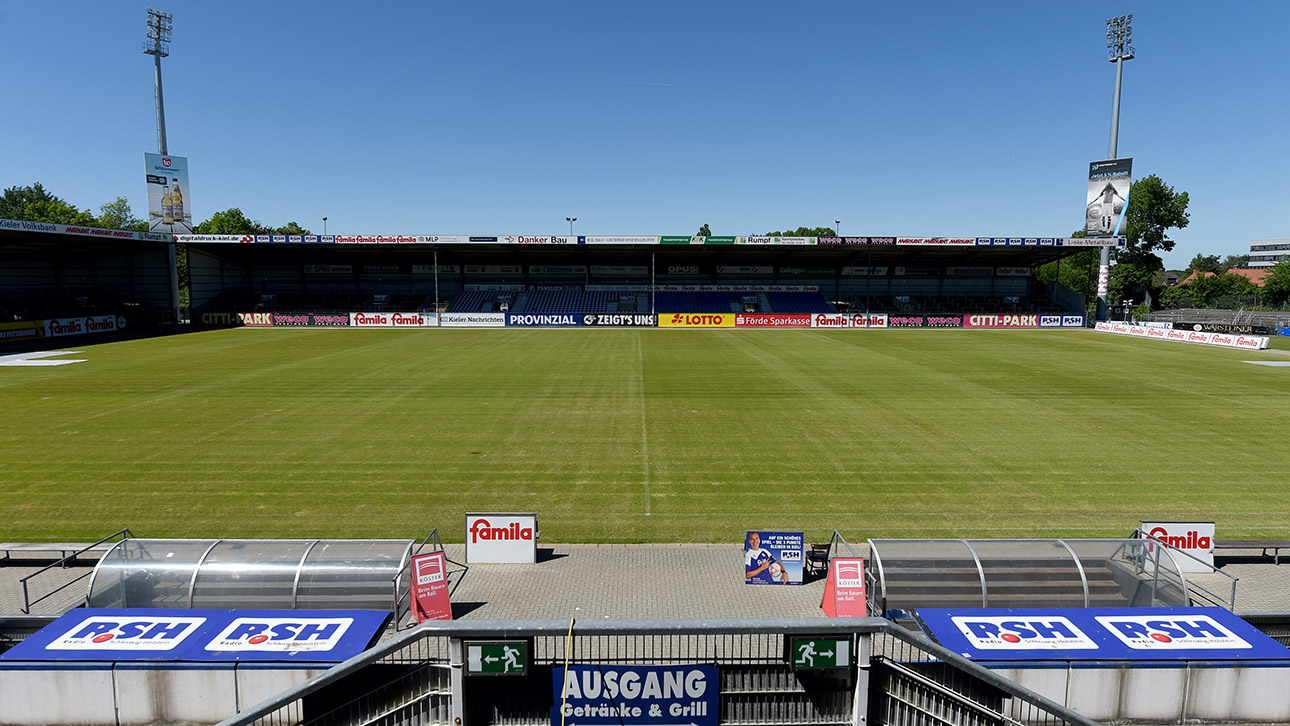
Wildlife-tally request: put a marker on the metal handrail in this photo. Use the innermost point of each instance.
(485, 629)
(27, 602)
(406, 595)
(1173, 551)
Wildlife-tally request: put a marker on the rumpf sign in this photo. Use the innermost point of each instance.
(631, 695)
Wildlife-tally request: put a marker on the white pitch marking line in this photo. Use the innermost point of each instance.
(29, 360)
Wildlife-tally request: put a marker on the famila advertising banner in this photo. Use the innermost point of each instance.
(1108, 196)
(169, 204)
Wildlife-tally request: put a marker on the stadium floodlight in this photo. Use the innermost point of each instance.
(157, 45)
(1119, 34)
(837, 225)
(571, 220)
(324, 226)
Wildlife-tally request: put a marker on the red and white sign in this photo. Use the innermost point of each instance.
(772, 320)
(1226, 340)
(1194, 538)
(391, 320)
(849, 320)
(844, 591)
(430, 587)
(1001, 320)
(501, 538)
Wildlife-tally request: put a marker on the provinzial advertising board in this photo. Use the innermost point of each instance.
(161, 634)
(773, 558)
(500, 538)
(619, 320)
(1193, 538)
(543, 320)
(635, 695)
(169, 202)
(1099, 634)
(472, 320)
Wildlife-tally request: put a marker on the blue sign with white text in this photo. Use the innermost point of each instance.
(153, 634)
(543, 320)
(1153, 634)
(596, 695)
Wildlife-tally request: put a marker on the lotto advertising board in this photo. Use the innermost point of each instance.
(773, 558)
(771, 320)
(155, 634)
(1099, 634)
(498, 538)
(170, 206)
(619, 320)
(696, 320)
(849, 320)
(636, 695)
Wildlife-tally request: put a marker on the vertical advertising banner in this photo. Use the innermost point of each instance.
(430, 587)
(773, 558)
(1108, 196)
(169, 205)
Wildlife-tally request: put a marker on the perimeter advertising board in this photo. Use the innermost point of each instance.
(1099, 634)
(925, 321)
(772, 320)
(430, 587)
(393, 320)
(25, 329)
(696, 320)
(495, 538)
(849, 320)
(157, 634)
(543, 320)
(773, 558)
(619, 320)
(1193, 538)
(472, 320)
(1108, 196)
(1250, 342)
(169, 202)
(637, 695)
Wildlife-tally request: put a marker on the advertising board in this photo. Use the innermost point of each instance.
(374, 239)
(1001, 320)
(844, 595)
(494, 269)
(24, 329)
(170, 205)
(495, 538)
(777, 240)
(936, 241)
(773, 558)
(1194, 538)
(329, 269)
(696, 320)
(744, 270)
(472, 320)
(855, 241)
(311, 320)
(622, 240)
(1099, 634)
(1228, 328)
(1248, 342)
(1013, 272)
(543, 320)
(849, 320)
(392, 320)
(557, 269)
(430, 269)
(159, 634)
(1108, 196)
(924, 321)
(853, 271)
(520, 239)
(59, 327)
(635, 695)
(619, 320)
(619, 270)
(771, 320)
(430, 587)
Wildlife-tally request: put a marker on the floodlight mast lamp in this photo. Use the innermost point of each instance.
(1119, 35)
(158, 46)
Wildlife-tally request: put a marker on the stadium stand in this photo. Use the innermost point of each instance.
(798, 302)
(472, 301)
(569, 300)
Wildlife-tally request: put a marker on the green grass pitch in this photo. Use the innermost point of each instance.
(643, 435)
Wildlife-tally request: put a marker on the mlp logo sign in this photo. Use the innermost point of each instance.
(1177, 632)
(125, 633)
(501, 538)
(281, 635)
(1021, 633)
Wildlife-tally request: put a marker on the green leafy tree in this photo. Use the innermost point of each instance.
(34, 204)
(117, 214)
(705, 230)
(804, 232)
(1204, 263)
(1234, 261)
(1154, 209)
(291, 228)
(231, 221)
(1276, 288)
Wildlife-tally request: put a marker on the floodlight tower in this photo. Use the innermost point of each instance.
(1119, 33)
(158, 46)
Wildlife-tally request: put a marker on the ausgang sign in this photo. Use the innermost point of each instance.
(493, 538)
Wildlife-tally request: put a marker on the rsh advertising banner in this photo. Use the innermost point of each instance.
(1099, 634)
(156, 634)
(773, 558)
(1108, 197)
(608, 695)
(169, 204)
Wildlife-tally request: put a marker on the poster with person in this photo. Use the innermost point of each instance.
(773, 558)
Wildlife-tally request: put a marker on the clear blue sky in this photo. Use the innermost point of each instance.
(934, 118)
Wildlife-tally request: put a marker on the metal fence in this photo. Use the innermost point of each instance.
(899, 678)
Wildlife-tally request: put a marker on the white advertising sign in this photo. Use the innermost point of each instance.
(849, 320)
(501, 538)
(170, 207)
(1226, 340)
(1194, 538)
(472, 320)
(391, 320)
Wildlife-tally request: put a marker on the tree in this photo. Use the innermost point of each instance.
(1204, 263)
(804, 232)
(117, 214)
(1231, 261)
(705, 231)
(231, 221)
(34, 204)
(1276, 288)
(291, 228)
(1154, 209)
